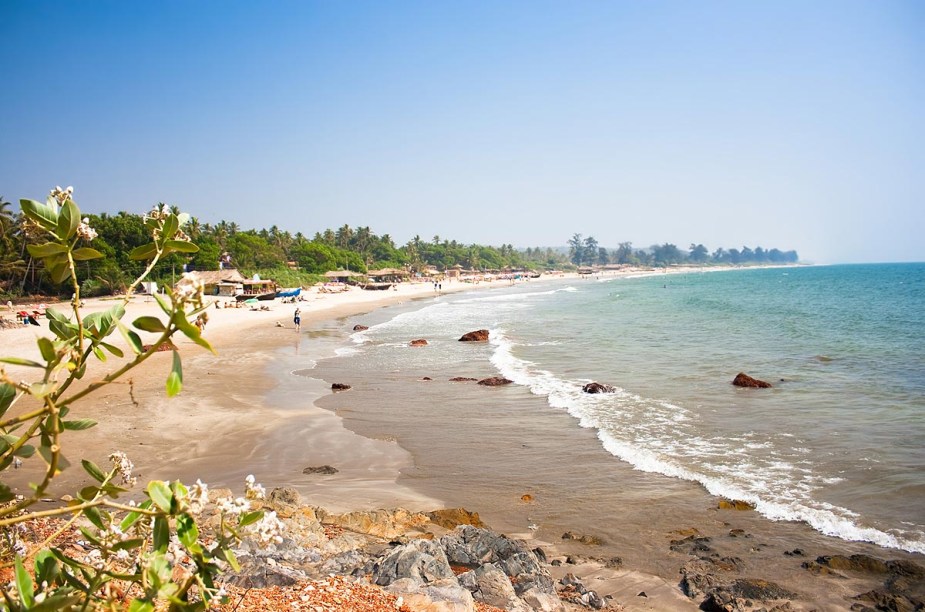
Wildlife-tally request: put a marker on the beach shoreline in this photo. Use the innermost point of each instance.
(241, 411)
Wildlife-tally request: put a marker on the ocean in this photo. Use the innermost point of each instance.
(836, 444)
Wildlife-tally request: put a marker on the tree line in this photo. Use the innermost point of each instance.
(297, 259)
(586, 252)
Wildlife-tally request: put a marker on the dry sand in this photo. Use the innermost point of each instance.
(222, 427)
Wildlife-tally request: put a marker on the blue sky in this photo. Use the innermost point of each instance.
(777, 124)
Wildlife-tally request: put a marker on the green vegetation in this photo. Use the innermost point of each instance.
(154, 555)
(297, 260)
(586, 252)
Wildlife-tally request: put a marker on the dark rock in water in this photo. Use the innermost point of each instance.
(642, 594)
(495, 381)
(418, 342)
(463, 379)
(744, 380)
(322, 469)
(360, 327)
(612, 562)
(426, 378)
(340, 387)
(479, 335)
(855, 563)
(581, 537)
(596, 387)
(796, 552)
(734, 504)
(691, 545)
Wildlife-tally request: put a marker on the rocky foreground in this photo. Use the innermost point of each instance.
(448, 560)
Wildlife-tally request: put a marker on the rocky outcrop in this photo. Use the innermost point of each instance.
(418, 342)
(380, 523)
(340, 387)
(422, 561)
(451, 518)
(472, 547)
(463, 379)
(360, 327)
(479, 335)
(744, 380)
(495, 381)
(740, 595)
(903, 581)
(596, 387)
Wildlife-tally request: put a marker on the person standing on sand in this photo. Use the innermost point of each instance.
(297, 320)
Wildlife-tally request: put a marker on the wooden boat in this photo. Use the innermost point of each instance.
(377, 286)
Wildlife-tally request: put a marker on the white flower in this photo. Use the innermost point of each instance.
(85, 231)
(268, 529)
(252, 489)
(234, 507)
(62, 195)
(121, 461)
(189, 290)
(198, 497)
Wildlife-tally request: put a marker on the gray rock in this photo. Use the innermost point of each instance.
(442, 596)
(421, 560)
(263, 573)
(471, 547)
(490, 585)
(542, 602)
(285, 496)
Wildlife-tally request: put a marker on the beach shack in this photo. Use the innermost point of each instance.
(455, 272)
(222, 283)
(232, 284)
(388, 275)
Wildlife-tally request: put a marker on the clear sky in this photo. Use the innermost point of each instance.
(777, 124)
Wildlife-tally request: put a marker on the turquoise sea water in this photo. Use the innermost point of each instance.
(836, 443)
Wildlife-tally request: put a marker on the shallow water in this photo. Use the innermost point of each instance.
(834, 445)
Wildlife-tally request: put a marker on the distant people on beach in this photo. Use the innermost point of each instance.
(297, 319)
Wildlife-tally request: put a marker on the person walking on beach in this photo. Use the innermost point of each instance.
(297, 320)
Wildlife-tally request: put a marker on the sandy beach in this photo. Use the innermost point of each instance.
(222, 427)
(251, 409)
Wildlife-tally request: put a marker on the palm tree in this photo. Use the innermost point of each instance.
(7, 223)
(193, 228)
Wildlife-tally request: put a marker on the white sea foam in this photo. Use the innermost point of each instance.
(665, 441)
(345, 351)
